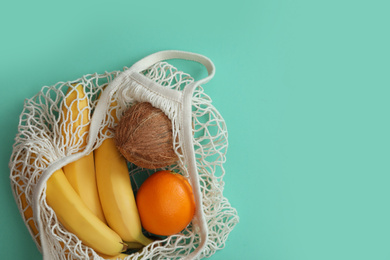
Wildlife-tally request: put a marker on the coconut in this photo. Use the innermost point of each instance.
(144, 137)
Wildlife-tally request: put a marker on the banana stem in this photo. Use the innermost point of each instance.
(144, 240)
(134, 245)
(125, 247)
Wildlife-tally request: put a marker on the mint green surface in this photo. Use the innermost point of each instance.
(304, 88)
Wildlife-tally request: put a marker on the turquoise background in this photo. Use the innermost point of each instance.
(303, 87)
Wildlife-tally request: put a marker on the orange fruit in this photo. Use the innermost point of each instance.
(165, 203)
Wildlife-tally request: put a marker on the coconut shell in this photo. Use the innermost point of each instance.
(144, 137)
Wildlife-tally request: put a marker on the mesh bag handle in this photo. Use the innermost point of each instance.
(183, 97)
(169, 55)
(189, 153)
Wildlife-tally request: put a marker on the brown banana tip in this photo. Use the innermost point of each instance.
(125, 247)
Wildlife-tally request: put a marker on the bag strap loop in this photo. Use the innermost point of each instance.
(188, 146)
(174, 54)
(123, 79)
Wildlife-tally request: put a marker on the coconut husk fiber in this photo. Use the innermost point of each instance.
(144, 137)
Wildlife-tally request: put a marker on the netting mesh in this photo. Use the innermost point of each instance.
(39, 143)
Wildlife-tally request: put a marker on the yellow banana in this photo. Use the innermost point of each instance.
(80, 173)
(26, 207)
(77, 218)
(116, 194)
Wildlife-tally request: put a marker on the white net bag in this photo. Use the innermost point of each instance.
(45, 144)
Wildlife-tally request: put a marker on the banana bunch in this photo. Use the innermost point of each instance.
(92, 197)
